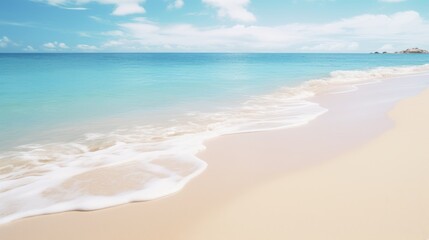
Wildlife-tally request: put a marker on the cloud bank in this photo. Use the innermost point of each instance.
(233, 9)
(366, 31)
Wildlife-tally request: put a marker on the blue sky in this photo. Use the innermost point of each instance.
(213, 25)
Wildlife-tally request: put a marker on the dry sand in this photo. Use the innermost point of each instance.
(346, 175)
(378, 191)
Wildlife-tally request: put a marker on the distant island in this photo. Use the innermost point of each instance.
(407, 51)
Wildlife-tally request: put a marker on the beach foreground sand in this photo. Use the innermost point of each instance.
(378, 191)
(354, 173)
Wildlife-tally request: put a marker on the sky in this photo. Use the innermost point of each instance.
(213, 25)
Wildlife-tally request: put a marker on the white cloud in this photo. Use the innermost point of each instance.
(49, 45)
(142, 19)
(115, 33)
(4, 42)
(29, 48)
(73, 8)
(234, 9)
(127, 7)
(123, 7)
(63, 46)
(361, 33)
(176, 4)
(392, 1)
(97, 19)
(335, 46)
(86, 48)
(55, 46)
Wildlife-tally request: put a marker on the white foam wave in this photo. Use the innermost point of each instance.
(147, 162)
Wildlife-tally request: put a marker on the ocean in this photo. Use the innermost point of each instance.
(88, 131)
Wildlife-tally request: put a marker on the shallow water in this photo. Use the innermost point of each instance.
(87, 131)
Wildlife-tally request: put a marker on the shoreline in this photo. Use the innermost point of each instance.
(147, 162)
(221, 183)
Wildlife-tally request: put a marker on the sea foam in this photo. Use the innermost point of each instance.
(147, 162)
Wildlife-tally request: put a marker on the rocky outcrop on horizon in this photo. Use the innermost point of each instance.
(407, 51)
(414, 50)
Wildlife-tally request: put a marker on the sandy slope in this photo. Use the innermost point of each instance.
(379, 191)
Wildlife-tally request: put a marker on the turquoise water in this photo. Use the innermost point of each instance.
(42, 92)
(139, 120)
